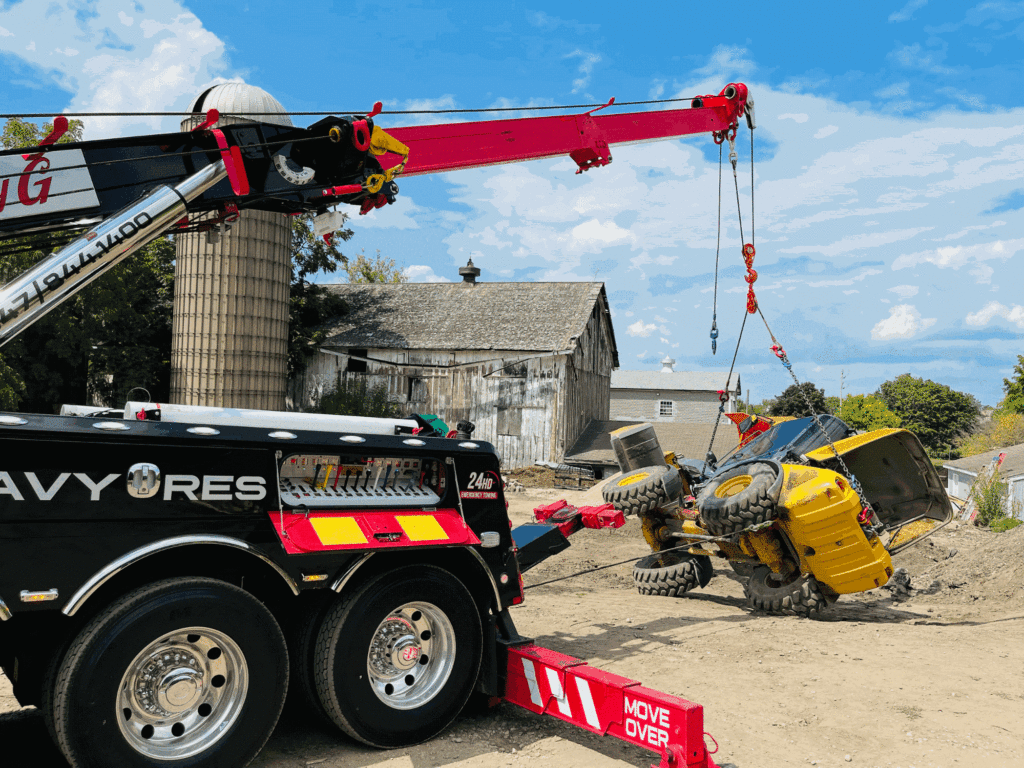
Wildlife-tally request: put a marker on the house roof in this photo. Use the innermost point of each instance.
(534, 317)
(689, 441)
(700, 381)
(1012, 466)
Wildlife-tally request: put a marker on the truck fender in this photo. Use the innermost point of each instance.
(115, 567)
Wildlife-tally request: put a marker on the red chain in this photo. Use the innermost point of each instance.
(751, 276)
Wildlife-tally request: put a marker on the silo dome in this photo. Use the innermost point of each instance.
(240, 99)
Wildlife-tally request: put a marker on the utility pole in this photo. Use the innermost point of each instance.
(842, 380)
(750, 408)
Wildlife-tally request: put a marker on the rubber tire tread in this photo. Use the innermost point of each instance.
(59, 676)
(302, 635)
(335, 622)
(803, 597)
(751, 506)
(643, 497)
(670, 581)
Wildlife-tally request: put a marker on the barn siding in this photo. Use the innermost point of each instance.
(530, 405)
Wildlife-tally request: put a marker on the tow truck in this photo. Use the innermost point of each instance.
(168, 572)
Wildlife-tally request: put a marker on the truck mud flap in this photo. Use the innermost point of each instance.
(550, 683)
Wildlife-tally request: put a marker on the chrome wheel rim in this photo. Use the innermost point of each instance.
(182, 693)
(411, 656)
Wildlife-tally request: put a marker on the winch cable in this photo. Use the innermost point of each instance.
(867, 515)
(635, 559)
(718, 249)
(748, 255)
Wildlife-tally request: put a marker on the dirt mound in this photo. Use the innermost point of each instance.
(968, 564)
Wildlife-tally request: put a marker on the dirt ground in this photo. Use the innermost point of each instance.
(935, 678)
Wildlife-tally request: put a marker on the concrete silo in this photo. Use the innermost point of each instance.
(230, 327)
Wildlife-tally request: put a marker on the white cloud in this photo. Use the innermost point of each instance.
(904, 322)
(586, 68)
(904, 291)
(906, 13)
(125, 18)
(956, 256)
(984, 316)
(858, 242)
(828, 130)
(640, 328)
(4, 32)
(399, 215)
(421, 273)
(156, 66)
(798, 117)
(968, 230)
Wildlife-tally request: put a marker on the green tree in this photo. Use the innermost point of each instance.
(1014, 389)
(312, 304)
(1004, 430)
(868, 413)
(793, 401)
(379, 269)
(937, 414)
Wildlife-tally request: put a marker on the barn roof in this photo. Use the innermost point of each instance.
(689, 381)
(534, 317)
(1012, 466)
(689, 441)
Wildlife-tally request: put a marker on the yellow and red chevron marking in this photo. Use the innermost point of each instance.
(551, 683)
(370, 529)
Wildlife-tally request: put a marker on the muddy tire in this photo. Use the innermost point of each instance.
(671, 574)
(642, 491)
(800, 596)
(739, 498)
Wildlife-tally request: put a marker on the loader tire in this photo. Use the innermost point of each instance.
(671, 574)
(799, 596)
(642, 491)
(739, 498)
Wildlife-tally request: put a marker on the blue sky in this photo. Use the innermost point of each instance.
(889, 157)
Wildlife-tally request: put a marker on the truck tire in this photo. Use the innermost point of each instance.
(643, 490)
(739, 498)
(799, 596)
(398, 658)
(301, 636)
(671, 574)
(180, 672)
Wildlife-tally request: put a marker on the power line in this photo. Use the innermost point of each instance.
(475, 110)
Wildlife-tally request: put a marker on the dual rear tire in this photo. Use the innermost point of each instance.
(194, 671)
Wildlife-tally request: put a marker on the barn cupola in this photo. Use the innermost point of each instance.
(469, 273)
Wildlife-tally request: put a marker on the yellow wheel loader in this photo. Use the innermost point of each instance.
(804, 510)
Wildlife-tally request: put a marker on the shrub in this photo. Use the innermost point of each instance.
(355, 397)
(992, 502)
(1004, 524)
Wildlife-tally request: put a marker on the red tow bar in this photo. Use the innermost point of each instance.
(550, 683)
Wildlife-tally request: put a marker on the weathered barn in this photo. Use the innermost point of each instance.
(686, 397)
(528, 363)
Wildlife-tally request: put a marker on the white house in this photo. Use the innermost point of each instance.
(683, 397)
(963, 472)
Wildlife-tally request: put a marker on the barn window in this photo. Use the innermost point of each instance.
(510, 420)
(357, 366)
(417, 390)
(665, 408)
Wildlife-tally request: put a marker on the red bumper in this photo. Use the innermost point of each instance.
(551, 683)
